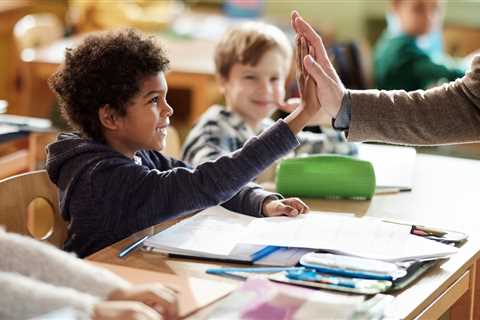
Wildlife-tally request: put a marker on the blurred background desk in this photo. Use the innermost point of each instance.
(445, 193)
(191, 72)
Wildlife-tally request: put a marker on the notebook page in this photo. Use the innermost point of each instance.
(366, 237)
(214, 231)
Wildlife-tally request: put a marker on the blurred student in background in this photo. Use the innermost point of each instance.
(252, 62)
(409, 54)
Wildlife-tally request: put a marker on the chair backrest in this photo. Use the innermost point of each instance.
(348, 64)
(19, 211)
(37, 143)
(36, 30)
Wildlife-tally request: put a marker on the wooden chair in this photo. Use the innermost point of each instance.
(348, 63)
(22, 212)
(37, 144)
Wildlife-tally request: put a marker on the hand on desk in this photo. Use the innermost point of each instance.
(290, 207)
(156, 296)
(124, 310)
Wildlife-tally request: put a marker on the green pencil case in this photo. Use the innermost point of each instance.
(326, 176)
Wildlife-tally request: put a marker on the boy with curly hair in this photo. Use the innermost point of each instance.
(252, 63)
(112, 178)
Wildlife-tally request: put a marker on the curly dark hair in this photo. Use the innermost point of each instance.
(106, 68)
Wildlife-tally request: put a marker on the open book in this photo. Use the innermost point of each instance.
(214, 234)
(217, 232)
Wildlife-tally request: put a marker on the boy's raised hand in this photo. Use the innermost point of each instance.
(329, 88)
(290, 207)
(305, 81)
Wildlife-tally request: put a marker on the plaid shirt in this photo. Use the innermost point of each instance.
(220, 131)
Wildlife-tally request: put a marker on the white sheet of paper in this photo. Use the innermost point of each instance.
(219, 233)
(366, 237)
(215, 231)
(393, 165)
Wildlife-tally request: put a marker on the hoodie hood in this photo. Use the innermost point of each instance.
(68, 158)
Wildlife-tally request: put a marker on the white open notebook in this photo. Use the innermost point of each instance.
(219, 233)
(214, 234)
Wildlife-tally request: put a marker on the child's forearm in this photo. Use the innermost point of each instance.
(298, 119)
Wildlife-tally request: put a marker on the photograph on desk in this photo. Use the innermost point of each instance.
(274, 159)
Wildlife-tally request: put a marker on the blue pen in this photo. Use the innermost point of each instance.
(129, 248)
(311, 275)
(350, 273)
(220, 271)
(262, 253)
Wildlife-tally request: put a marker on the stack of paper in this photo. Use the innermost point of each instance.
(364, 237)
(219, 233)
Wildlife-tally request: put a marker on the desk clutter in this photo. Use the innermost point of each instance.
(21, 123)
(366, 257)
(218, 233)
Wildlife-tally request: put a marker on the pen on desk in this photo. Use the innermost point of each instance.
(352, 273)
(129, 248)
(252, 270)
(262, 253)
(312, 275)
(403, 223)
(387, 190)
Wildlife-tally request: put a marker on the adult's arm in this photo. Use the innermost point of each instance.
(443, 115)
(24, 298)
(45, 263)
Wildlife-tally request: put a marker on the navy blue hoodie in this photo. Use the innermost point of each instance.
(106, 196)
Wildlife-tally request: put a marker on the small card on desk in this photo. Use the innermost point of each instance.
(194, 293)
(262, 299)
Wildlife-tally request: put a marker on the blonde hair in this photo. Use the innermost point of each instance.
(246, 43)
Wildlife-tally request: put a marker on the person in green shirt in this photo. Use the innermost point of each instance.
(399, 61)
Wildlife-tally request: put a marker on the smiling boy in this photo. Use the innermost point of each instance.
(252, 63)
(112, 178)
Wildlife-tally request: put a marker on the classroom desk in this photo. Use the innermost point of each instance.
(191, 68)
(445, 193)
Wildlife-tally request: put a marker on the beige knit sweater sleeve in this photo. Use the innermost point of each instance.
(25, 298)
(443, 115)
(42, 270)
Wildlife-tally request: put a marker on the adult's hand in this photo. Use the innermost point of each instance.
(329, 87)
(124, 310)
(155, 295)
